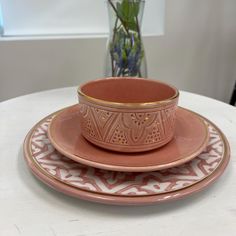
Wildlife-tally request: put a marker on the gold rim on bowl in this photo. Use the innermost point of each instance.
(130, 105)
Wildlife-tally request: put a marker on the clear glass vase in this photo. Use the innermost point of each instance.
(125, 51)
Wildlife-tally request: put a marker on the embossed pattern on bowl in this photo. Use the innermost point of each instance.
(122, 122)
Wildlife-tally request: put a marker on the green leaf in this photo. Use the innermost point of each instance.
(124, 57)
(125, 9)
(132, 26)
(136, 8)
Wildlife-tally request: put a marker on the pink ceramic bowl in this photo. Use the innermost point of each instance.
(128, 114)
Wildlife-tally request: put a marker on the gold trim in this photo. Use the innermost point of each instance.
(129, 105)
(29, 157)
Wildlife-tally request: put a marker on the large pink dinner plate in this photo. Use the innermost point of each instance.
(191, 137)
(125, 188)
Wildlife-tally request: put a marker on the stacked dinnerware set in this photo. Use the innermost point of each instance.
(126, 143)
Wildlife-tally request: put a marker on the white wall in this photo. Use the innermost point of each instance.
(197, 54)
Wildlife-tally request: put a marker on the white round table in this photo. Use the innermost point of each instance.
(29, 207)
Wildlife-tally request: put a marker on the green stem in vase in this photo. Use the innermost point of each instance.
(113, 39)
(121, 20)
(138, 28)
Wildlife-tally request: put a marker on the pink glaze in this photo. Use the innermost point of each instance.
(63, 186)
(128, 90)
(128, 114)
(190, 139)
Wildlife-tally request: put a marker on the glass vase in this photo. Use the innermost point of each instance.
(125, 51)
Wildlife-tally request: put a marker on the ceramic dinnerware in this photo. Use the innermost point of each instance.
(128, 114)
(191, 137)
(110, 187)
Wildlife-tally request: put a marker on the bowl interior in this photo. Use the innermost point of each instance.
(128, 90)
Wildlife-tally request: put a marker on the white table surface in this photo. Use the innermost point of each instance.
(28, 207)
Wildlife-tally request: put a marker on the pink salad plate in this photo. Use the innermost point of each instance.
(191, 137)
(124, 188)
